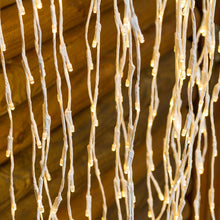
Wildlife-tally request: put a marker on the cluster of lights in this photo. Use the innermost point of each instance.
(153, 108)
(124, 186)
(93, 95)
(199, 72)
(176, 184)
(66, 116)
(45, 142)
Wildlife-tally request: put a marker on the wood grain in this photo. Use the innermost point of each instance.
(4, 3)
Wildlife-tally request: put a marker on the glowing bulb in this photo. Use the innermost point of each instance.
(141, 38)
(153, 72)
(61, 162)
(175, 134)
(134, 199)
(54, 29)
(91, 67)
(167, 200)
(152, 63)
(183, 133)
(39, 146)
(203, 31)
(137, 106)
(113, 147)
(176, 216)
(149, 214)
(95, 8)
(201, 168)
(161, 197)
(44, 136)
(31, 79)
(93, 108)
(152, 167)
(11, 106)
(160, 16)
(22, 11)
(171, 103)
(215, 153)
(87, 213)
(164, 157)
(127, 24)
(42, 209)
(189, 140)
(39, 4)
(70, 67)
(127, 83)
(96, 123)
(169, 170)
(183, 74)
(94, 43)
(90, 162)
(125, 169)
(150, 122)
(48, 176)
(212, 207)
(182, 3)
(3, 46)
(127, 145)
(72, 129)
(123, 193)
(8, 153)
(119, 195)
(72, 188)
(14, 207)
(54, 209)
(189, 72)
(154, 113)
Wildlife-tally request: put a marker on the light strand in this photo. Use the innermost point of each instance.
(46, 117)
(92, 160)
(119, 178)
(66, 117)
(29, 80)
(160, 8)
(10, 108)
(130, 23)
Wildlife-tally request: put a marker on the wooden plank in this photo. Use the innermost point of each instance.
(77, 52)
(4, 3)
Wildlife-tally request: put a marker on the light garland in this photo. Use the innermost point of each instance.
(10, 108)
(176, 184)
(160, 8)
(125, 29)
(92, 160)
(181, 138)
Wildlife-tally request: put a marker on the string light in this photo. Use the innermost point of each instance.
(10, 108)
(180, 137)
